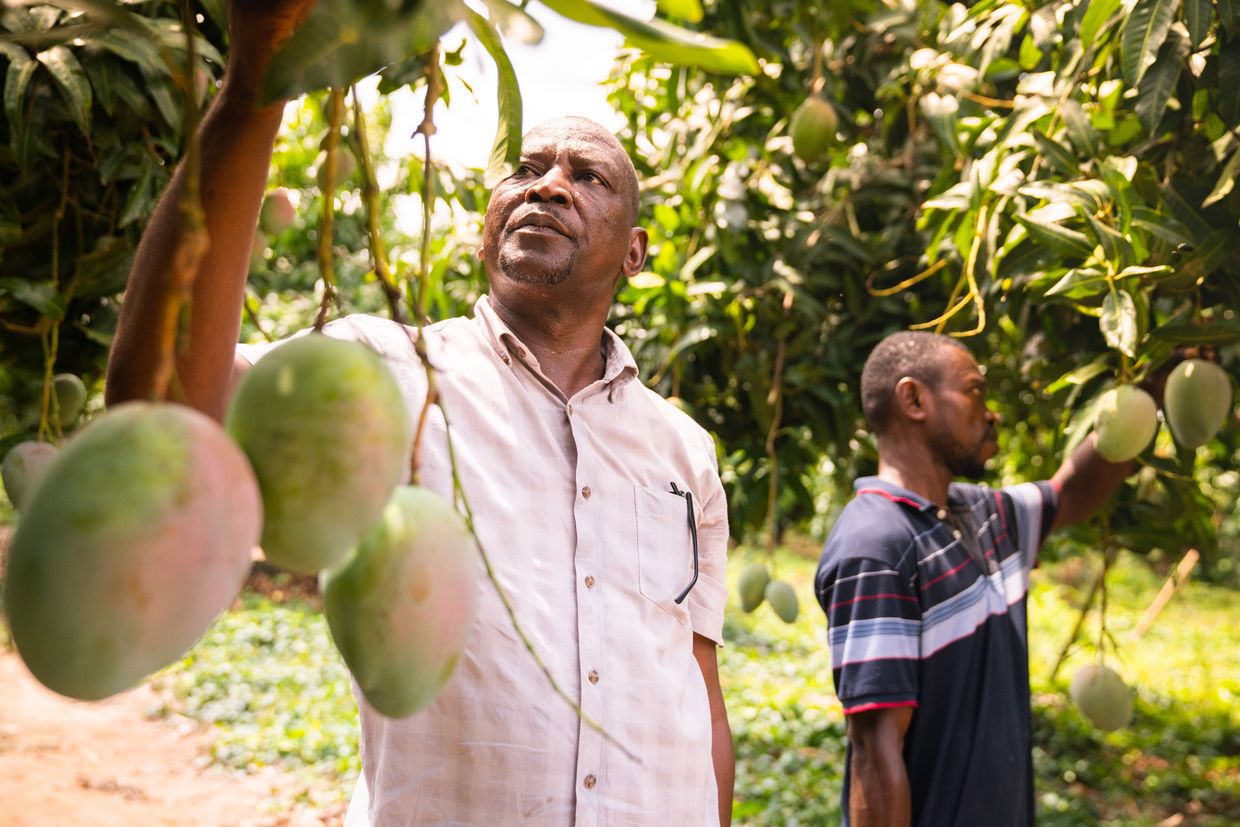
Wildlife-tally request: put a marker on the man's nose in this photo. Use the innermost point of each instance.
(552, 186)
(993, 416)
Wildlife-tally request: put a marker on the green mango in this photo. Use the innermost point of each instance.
(813, 127)
(328, 434)
(401, 607)
(140, 533)
(783, 600)
(277, 213)
(1197, 401)
(23, 467)
(752, 585)
(1101, 696)
(70, 397)
(1126, 421)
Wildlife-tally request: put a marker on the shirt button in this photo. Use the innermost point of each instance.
(956, 533)
(942, 514)
(506, 358)
(585, 492)
(593, 676)
(569, 409)
(589, 781)
(589, 581)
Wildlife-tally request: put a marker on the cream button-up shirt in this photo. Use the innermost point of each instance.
(574, 504)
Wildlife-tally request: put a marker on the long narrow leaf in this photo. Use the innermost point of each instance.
(1119, 322)
(506, 151)
(1198, 14)
(1143, 35)
(1096, 16)
(71, 78)
(1226, 180)
(663, 41)
(1156, 88)
(1229, 82)
(1065, 241)
(1222, 332)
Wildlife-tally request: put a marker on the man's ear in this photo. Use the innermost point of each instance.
(635, 258)
(912, 399)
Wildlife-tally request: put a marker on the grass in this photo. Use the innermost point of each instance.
(270, 686)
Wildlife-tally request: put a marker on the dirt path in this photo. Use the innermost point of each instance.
(70, 764)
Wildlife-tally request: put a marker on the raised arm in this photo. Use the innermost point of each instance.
(237, 137)
(878, 790)
(1085, 481)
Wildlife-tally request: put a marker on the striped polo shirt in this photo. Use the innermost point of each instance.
(926, 608)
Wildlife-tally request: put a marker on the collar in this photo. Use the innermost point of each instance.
(880, 487)
(619, 365)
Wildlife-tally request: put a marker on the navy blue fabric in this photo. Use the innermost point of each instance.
(926, 608)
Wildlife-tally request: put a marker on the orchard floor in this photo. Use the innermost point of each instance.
(70, 764)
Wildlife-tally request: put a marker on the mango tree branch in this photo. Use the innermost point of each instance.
(370, 198)
(327, 182)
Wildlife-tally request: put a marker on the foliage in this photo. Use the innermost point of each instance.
(273, 691)
(1053, 179)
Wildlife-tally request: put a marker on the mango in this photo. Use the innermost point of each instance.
(139, 534)
(401, 607)
(1197, 400)
(324, 425)
(1126, 421)
(277, 213)
(752, 585)
(70, 397)
(813, 127)
(258, 252)
(783, 600)
(1101, 696)
(24, 465)
(344, 167)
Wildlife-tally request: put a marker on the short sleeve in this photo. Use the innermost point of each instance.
(874, 630)
(1034, 505)
(710, 594)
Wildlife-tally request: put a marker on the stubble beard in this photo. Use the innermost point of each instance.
(960, 460)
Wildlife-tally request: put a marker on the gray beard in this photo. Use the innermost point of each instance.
(512, 267)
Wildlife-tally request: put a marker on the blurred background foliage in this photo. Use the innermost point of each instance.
(1053, 181)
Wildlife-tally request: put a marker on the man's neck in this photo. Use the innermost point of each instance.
(568, 345)
(913, 468)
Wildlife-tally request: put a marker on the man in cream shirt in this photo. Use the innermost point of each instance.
(599, 502)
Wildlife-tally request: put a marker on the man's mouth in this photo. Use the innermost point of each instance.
(540, 224)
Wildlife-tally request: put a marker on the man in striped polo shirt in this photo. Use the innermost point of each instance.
(924, 580)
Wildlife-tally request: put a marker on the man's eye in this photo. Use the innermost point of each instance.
(524, 169)
(587, 175)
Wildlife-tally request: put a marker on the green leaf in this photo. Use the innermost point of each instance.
(1057, 155)
(506, 151)
(690, 10)
(1114, 246)
(140, 195)
(342, 41)
(1096, 16)
(1156, 88)
(1119, 322)
(21, 69)
(1229, 82)
(663, 41)
(1066, 241)
(41, 296)
(1079, 376)
(1207, 257)
(1226, 180)
(514, 22)
(1222, 332)
(1198, 15)
(1080, 130)
(1143, 35)
(1080, 283)
(1229, 16)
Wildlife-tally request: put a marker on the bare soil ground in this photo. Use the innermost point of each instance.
(67, 763)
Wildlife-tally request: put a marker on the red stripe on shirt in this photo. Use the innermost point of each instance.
(869, 707)
(874, 597)
(890, 496)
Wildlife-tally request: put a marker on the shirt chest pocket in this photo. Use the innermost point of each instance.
(664, 549)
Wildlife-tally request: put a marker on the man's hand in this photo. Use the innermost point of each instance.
(257, 28)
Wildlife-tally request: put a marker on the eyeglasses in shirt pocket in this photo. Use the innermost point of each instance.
(664, 552)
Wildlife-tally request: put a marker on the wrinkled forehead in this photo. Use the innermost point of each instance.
(581, 138)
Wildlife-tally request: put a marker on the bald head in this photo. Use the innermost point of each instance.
(909, 353)
(584, 129)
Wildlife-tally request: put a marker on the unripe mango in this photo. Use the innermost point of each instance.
(752, 585)
(70, 397)
(324, 425)
(1126, 421)
(344, 167)
(1101, 696)
(140, 533)
(1197, 400)
(401, 607)
(783, 600)
(813, 129)
(278, 212)
(24, 465)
